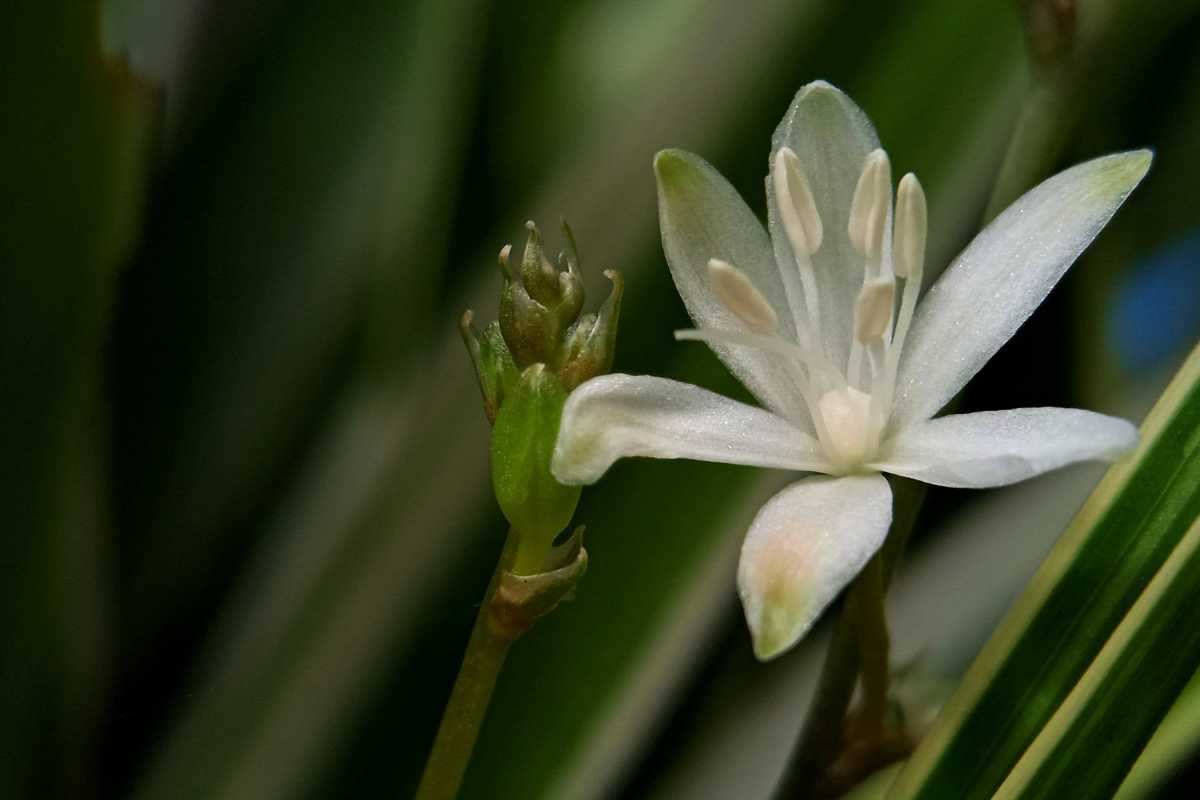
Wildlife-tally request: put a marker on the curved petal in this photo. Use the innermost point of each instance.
(702, 217)
(832, 137)
(1003, 275)
(615, 416)
(994, 448)
(804, 546)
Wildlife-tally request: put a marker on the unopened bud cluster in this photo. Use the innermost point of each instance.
(542, 346)
(542, 322)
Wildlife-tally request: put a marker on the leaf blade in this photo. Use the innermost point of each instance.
(1119, 540)
(1095, 736)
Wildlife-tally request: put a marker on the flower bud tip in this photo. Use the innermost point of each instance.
(572, 249)
(505, 266)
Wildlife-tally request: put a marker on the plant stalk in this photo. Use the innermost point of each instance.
(820, 739)
(870, 620)
(472, 693)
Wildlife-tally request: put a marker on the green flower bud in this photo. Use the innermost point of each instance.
(538, 275)
(494, 367)
(542, 322)
(530, 328)
(588, 347)
(523, 436)
(541, 348)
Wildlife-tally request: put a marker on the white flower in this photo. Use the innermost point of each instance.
(849, 375)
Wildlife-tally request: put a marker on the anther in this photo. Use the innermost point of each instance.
(908, 262)
(739, 295)
(873, 310)
(911, 227)
(797, 208)
(868, 210)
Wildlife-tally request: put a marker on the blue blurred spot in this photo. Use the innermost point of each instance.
(1157, 311)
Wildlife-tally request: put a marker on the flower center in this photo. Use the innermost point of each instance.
(850, 437)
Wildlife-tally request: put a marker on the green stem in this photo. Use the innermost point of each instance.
(471, 695)
(1038, 140)
(1106, 40)
(866, 601)
(821, 737)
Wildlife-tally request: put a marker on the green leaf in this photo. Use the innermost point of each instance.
(278, 218)
(74, 156)
(1122, 537)
(1173, 743)
(875, 787)
(1090, 743)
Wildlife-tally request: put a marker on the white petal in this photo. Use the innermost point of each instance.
(806, 544)
(615, 416)
(703, 218)
(1003, 275)
(832, 138)
(994, 448)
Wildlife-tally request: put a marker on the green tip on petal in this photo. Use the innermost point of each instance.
(782, 617)
(1123, 171)
(672, 164)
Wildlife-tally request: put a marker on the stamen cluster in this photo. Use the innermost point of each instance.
(850, 402)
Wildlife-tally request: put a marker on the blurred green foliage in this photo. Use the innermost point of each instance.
(248, 507)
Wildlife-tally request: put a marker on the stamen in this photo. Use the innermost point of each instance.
(794, 359)
(770, 344)
(802, 224)
(796, 206)
(737, 293)
(873, 310)
(872, 316)
(877, 412)
(912, 227)
(869, 209)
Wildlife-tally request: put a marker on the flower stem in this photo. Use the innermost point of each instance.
(1040, 136)
(870, 622)
(472, 693)
(821, 737)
